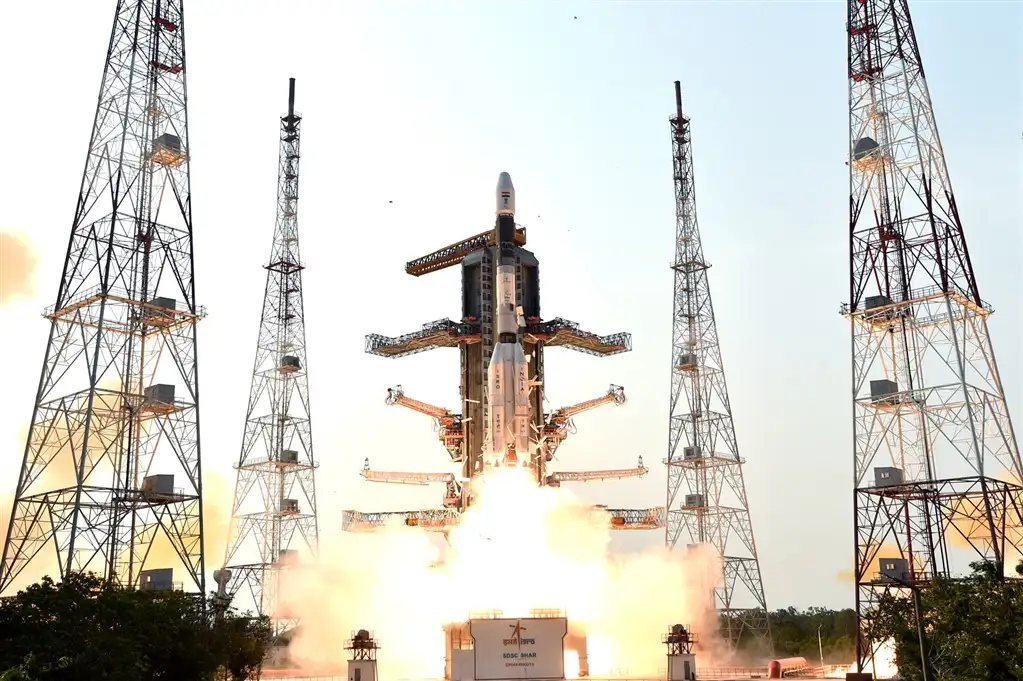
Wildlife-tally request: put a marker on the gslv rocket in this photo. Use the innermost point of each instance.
(506, 442)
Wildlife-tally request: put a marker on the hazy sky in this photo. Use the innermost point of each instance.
(423, 104)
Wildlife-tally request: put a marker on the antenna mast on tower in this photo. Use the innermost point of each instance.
(275, 494)
(706, 498)
(112, 458)
(929, 412)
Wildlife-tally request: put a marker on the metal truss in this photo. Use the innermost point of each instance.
(563, 333)
(558, 424)
(448, 425)
(909, 528)
(442, 333)
(450, 255)
(118, 396)
(984, 513)
(438, 519)
(706, 494)
(405, 478)
(275, 495)
(680, 640)
(445, 333)
(453, 491)
(954, 422)
(442, 520)
(549, 429)
(636, 518)
(927, 396)
(556, 478)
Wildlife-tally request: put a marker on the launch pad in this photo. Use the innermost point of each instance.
(500, 287)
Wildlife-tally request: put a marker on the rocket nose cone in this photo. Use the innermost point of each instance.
(504, 181)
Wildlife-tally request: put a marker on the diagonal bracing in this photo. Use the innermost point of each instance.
(274, 512)
(112, 461)
(933, 445)
(706, 496)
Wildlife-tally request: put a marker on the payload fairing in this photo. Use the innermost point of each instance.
(507, 441)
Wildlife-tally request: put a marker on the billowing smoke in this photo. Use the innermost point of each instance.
(882, 667)
(519, 547)
(17, 268)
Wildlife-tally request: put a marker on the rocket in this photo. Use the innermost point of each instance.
(507, 423)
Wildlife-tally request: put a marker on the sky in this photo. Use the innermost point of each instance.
(411, 111)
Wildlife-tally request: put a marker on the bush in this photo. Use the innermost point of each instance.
(84, 628)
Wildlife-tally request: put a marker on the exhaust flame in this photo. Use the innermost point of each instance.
(882, 668)
(519, 547)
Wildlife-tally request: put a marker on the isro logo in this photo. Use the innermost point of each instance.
(516, 636)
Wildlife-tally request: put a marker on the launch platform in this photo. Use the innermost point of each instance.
(502, 341)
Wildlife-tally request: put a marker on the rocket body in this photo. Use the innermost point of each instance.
(507, 441)
(507, 383)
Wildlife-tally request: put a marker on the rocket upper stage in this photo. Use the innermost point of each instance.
(505, 195)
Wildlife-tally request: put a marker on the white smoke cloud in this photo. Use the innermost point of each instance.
(519, 547)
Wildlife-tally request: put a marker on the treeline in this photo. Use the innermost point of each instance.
(970, 628)
(795, 634)
(83, 628)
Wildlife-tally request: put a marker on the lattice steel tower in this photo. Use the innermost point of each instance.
(706, 498)
(275, 494)
(112, 458)
(928, 407)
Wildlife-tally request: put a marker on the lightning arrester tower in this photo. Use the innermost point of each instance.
(275, 493)
(929, 412)
(706, 497)
(112, 460)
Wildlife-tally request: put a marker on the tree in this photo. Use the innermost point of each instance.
(794, 633)
(84, 628)
(971, 626)
(30, 670)
(243, 643)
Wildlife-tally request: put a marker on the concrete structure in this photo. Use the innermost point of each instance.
(362, 663)
(681, 660)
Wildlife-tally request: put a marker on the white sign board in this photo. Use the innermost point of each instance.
(526, 648)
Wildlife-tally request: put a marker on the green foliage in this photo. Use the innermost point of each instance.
(83, 628)
(243, 642)
(971, 627)
(30, 669)
(794, 633)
